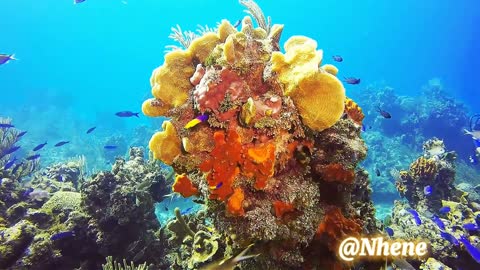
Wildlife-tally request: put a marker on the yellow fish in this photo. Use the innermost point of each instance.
(199, 119)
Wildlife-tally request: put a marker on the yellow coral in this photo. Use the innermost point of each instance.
(170, 82)
(423, 168)
(153, 107)
(329, 68)
(225, 29)
(318, 96)
(166, 145)
(202, 46)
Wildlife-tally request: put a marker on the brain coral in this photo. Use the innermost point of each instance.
(263, 120)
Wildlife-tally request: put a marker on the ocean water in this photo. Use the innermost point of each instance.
(80, 64)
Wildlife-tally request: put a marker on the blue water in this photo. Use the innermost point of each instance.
(79, 64)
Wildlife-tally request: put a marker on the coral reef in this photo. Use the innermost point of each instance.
(258, 137)
(449, 216)
(111, 214)
(434, 171)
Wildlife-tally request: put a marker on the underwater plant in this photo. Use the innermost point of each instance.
(114, 265)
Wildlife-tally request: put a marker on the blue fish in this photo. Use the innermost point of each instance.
(40, 146)
(110, 147)
(9, 164)
(10, 150)
(33, 157)
(186, 211)
(427, 190)
(62, 235)
(470, 227)
(126, 114)
(389, 231)
(19, 135)
(444, 210)
(473, 251)
(450, 238)
(439, 222)
(5, 125)
(91, 129)
(477, 220)
(5, 58)
(352, 80)
(27, 192)
(473, 159)
(61, 143)
(415, 215)
(476, 143)
(337, 58)
(15, 169)
(78, 1)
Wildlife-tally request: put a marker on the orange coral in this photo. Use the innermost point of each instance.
(281, 208)
(184, 186)
(335, 172)
(223, 164)
(234, 204)
(354, 111)
(259, 164)
(335, 227)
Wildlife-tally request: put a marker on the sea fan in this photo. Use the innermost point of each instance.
(257, 13)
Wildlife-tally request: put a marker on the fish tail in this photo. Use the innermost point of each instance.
(12, 57)
(136, 114)
(466, 132)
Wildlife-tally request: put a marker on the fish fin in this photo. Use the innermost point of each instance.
(466, 132)
(136, 114)
(12, 57)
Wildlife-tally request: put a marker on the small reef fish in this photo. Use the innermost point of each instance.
(186, 211)
(5, 125)
(377, 172)
(450, 238)
(470, 227)
(403, 264)
(230, 262)
(199, 119)
(337, 58)
(476, 142)
(21, 134)
(415, 215)
(389, 231)
(473, 159)
(10, 150)
(237, 23)
(78, 1)
(61, 143)
(27, 192)
(15, 169)
(383, 113)
(427, 190)
(38, 194)
(474, 133)
(444, 210)
(352, 80)
(473, 251)
(33, 157)
(127, 114)
(219, 185)
(5, 58)
(9, 164)
(91, 129)
(110, 147)
(477, 220)
(40, 146)
(62, 235)
(439, 222)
